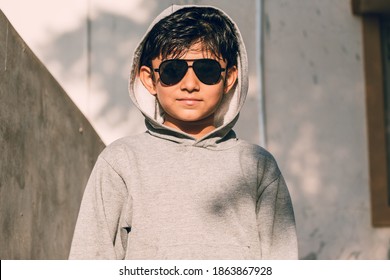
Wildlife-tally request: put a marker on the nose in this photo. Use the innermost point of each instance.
(190, 81)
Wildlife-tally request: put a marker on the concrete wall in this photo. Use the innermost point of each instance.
(316, 125)
(47, 150)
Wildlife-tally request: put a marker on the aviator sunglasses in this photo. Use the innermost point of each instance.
(207, 70)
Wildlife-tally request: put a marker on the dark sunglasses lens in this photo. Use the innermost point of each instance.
(208, 71)
(172, 71)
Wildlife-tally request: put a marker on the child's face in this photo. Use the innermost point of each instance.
(189, 100)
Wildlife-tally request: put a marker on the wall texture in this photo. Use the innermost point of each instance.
(47, 150)
(316, 125)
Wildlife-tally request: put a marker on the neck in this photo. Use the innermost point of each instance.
(196, 129)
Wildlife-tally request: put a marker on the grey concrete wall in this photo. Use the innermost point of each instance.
(47, 150)
(316, 125)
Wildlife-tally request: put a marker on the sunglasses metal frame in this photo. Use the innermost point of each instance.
(189, 66)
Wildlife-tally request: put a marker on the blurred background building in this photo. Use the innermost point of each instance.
(309, 99)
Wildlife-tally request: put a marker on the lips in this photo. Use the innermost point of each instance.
(189, 101)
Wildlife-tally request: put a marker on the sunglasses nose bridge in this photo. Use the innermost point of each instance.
(190, 80)
(192, 71)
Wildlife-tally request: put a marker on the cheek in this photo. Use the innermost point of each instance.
(164, 96)
(218, 92)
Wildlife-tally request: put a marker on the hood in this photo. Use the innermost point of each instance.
(227, 113)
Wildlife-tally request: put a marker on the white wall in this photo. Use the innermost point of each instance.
(316, 125)
(88, 46)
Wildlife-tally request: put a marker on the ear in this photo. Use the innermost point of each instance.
(147, 78)
(231, 78)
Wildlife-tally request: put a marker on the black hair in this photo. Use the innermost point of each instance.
(176, 33)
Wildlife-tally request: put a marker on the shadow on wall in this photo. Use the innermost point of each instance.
(111, 39)
(317, 127)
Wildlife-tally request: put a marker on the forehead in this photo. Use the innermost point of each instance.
(195, 51)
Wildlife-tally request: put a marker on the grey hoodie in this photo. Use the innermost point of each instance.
(165, 195)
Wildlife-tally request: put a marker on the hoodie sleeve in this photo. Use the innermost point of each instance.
(98, 231)
(275, 216)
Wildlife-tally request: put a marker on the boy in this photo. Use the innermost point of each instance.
(187, 188)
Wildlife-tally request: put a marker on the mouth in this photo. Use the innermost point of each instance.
(189, 101)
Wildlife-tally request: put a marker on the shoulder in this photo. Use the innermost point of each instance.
(123, 148)
(267, 167)
(259, 153)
